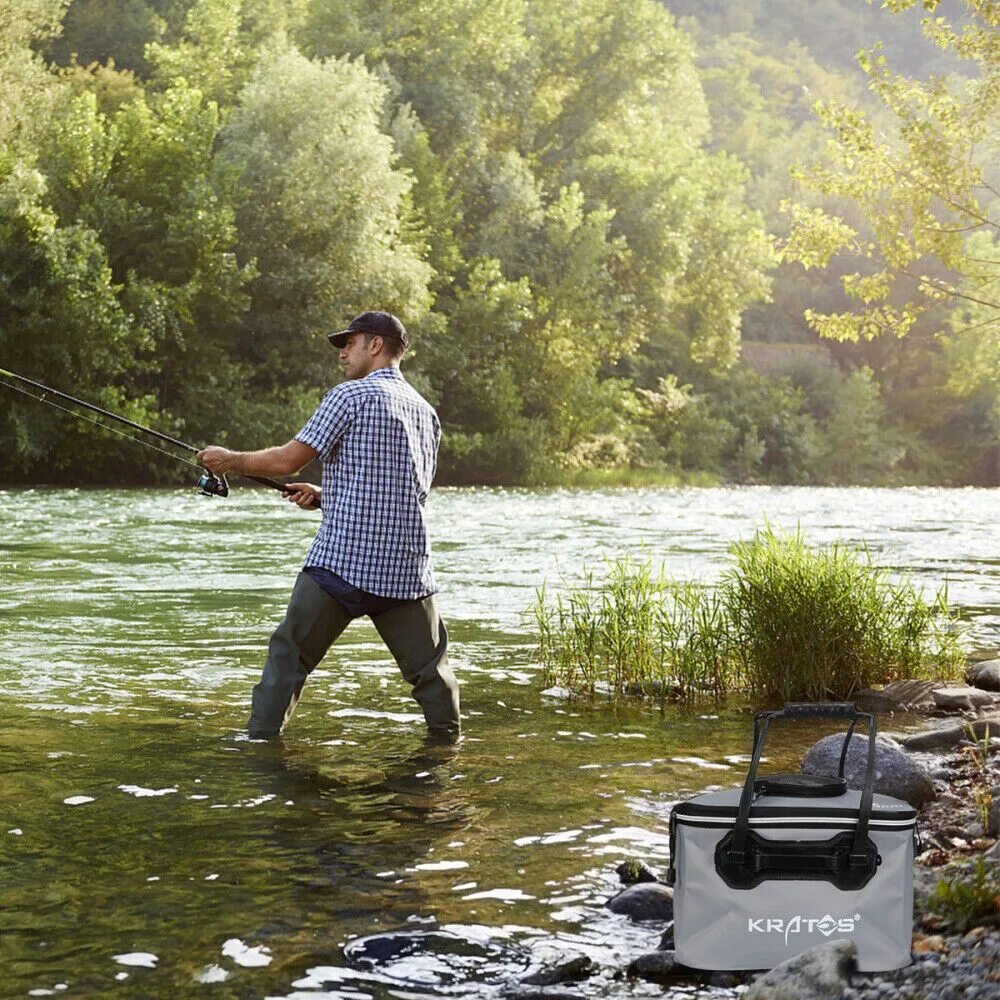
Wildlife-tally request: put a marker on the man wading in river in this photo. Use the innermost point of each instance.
(378, 439)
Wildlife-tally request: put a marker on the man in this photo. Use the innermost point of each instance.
(378, 440)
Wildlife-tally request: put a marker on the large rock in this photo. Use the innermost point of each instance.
(952, 735)
(821, 973)
(645, 901)
(963, 698)
(895, 773)
(985, 675)
(899, 696)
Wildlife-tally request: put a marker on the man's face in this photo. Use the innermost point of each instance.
(358, 358)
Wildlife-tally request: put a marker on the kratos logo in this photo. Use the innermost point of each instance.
(798, 924)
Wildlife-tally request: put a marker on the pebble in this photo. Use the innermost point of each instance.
(954, 973)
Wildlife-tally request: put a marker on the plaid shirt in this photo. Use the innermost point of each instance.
(378, 439)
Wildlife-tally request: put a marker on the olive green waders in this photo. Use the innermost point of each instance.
(413, 632)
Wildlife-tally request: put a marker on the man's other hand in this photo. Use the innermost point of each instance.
(304, 494)
(218, 460)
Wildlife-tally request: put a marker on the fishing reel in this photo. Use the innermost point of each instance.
(212, 485)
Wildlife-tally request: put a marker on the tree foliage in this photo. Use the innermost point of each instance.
(573, 207)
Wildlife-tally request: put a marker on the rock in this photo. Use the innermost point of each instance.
(660, 967)
(895, 773)
(667, 941)
(821, 973)
(541, 994)
(570, 971)
(993, 815)
(952, 735)
(724, 980)
(985, 675)
(899, 696)
(645, 901)
(924, 943)
(962, 698)
(633, 872)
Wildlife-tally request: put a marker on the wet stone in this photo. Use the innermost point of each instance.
(634, 872)
(570, 971)
(659, 967)
(645, 901)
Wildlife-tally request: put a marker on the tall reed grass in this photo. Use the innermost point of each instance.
(784, 622)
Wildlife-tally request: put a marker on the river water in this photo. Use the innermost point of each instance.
(149, 850)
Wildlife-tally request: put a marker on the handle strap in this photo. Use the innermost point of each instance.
(800, 710)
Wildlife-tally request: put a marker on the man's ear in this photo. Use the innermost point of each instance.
(372, 349)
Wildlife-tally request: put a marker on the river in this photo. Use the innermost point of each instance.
(149, 850)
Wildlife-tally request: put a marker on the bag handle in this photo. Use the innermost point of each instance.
(807, 710)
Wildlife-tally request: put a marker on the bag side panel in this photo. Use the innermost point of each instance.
(716, 927)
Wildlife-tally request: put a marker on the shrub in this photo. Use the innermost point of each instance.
(814, 624)
(969, 900)
(783, 623)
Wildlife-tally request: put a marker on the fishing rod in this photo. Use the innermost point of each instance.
(210, 484)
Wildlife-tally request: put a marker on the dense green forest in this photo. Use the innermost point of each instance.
(633, 241)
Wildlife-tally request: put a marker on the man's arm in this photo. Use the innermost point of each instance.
(280, 461)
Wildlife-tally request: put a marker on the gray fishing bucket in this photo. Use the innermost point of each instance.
(790, 861)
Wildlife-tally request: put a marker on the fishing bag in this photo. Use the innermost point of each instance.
(793, 860)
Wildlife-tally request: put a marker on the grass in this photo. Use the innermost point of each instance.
(784, 622)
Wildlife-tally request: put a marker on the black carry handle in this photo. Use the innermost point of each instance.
(860, 853)
(820, 709)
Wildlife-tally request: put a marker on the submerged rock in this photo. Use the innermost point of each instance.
(645, 901)
(540, 994)
(570, 971)
(895, 773)
(821, 973)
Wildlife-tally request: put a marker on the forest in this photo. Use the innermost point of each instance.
(633, 241)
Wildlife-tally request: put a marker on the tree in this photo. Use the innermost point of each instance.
(29, 93)
(924, 192)
(323, 209)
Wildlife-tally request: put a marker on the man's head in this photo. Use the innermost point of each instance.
(373, 340)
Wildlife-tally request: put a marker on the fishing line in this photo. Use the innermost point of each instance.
(102, 425)
(210, 483)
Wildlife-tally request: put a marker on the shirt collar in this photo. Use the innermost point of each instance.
(391, 371)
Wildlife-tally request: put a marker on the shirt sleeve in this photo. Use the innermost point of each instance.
(330, 422)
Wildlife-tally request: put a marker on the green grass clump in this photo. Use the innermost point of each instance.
(969, 900)
(639, 634)
(810, 624)
(784, 623)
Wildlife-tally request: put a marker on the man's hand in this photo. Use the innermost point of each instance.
(219, 460)
(304, 494)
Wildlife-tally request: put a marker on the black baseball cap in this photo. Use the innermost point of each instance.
(382, 324)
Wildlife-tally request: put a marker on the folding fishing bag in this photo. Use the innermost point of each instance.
(793, 860)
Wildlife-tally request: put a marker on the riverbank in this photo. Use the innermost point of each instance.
(951, 772)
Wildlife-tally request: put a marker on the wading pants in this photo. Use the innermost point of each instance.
(413, 632)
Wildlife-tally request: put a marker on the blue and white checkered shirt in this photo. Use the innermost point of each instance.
(378, 439)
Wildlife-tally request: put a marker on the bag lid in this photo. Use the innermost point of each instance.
(724, 805)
